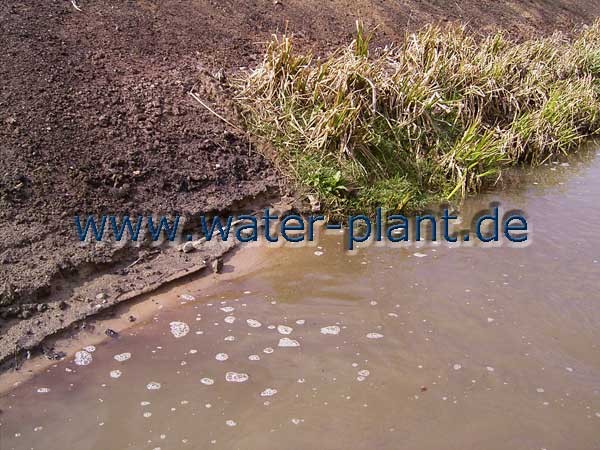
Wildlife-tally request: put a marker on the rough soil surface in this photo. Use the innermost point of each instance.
(95, 115)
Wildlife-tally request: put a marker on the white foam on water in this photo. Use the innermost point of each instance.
(187, 297)
(230, 423)
(457, 366)
(115, 373)
(90, 349)
(284, 329)
(364, 373)
(419, 255)
(540, 390)
(227, 309)
(296, 421)
(287, 342)
(235, 377)
(254, 358)
(374, 335)
(207, 381)
(193, 351)
(300, 322)
(122, 356)
(221, 356)
(331, 329)
(268, 350)
(43, 390)
(144, 403)
(490, 369)
(318, 253)
(147, 414)
(229, 338)
(82, 358)
(269, 392)
(179, 329)
(229, 319)
(253, 323)
(153, 386)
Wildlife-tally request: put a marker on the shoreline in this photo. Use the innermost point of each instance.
(238, 262)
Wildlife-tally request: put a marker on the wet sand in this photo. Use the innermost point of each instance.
(390, 348)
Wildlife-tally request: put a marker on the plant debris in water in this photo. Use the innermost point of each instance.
(433, 118)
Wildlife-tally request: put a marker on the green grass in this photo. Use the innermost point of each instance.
(433, 118)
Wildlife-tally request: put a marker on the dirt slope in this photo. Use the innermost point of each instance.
(95, 116)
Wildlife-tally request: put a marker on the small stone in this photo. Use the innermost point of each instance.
(188, 247)
(53, 355)
(216, 265)
(111, 333)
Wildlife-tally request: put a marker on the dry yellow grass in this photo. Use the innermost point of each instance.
(431, 118)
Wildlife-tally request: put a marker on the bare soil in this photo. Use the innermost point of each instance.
(95, 117)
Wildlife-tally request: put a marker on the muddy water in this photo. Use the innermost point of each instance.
(463, 348)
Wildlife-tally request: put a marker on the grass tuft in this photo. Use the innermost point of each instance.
(435, 117)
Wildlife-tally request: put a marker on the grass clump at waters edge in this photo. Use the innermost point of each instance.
(433, 118)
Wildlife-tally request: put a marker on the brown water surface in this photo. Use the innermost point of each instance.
(462, 348)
